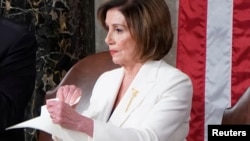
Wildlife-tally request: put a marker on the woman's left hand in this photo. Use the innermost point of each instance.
(63, 114)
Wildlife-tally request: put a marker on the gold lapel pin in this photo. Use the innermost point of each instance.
(134, 94)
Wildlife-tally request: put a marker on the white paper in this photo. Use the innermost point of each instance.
(44, 123)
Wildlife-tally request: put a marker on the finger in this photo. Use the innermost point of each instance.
(51, 104)
(72, 89)
(59, 93)
(76, 96)
(64, 93)
(67, 93)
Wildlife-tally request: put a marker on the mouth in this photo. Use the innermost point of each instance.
(112, 52)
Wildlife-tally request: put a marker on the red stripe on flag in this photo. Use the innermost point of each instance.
(241, 49)
(191, 57)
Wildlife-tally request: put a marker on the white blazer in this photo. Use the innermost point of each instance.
(159, 111)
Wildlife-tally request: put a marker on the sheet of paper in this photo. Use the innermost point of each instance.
(44, 123)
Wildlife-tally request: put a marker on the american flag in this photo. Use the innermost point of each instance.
(213, 48)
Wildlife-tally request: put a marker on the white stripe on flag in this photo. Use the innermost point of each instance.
(218, 60)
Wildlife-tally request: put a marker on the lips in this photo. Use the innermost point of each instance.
(112, 52)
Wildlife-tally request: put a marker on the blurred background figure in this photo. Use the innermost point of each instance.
(17, 76)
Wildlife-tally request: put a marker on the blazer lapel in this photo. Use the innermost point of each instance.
(112, 91)
(137, 91)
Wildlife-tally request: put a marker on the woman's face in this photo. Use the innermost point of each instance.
(121, 44)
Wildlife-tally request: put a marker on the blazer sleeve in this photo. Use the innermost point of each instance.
(17, 76)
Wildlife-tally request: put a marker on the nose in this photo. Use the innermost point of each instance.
(109, 40)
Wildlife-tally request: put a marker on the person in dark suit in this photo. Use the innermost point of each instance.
(17, 76)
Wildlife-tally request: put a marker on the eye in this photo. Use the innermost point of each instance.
(118, 30)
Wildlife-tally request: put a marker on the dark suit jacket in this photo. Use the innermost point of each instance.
(17, 76)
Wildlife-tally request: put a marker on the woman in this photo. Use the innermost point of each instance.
(144, 100)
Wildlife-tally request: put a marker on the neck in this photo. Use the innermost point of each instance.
(131, 71)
